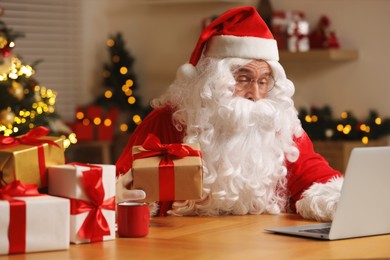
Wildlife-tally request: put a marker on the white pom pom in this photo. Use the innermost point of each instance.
(186, 71)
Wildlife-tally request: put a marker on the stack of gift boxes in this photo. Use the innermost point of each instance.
(46, 203)
(95, 123)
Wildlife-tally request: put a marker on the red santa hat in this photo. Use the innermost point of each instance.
(241, 33)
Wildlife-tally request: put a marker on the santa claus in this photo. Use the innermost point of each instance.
(234, 99)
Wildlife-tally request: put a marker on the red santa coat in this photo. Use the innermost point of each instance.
(308, 169)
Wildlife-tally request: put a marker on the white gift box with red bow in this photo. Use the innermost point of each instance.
(33, 224)
(91, 190)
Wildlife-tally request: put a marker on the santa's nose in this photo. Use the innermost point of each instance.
(253, 92)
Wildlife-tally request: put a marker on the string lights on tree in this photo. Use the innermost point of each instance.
(24, 103)
(320, 125)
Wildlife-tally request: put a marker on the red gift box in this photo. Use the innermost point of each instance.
(82, 131)
(105, 133)
(92, 112)
(95, 123)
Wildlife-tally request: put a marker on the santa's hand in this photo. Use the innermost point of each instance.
(319, 202)
(123, 193)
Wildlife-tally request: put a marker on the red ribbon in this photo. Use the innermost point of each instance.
(17, 218)
(299, 36)
(169, 152)
(95, 225)
(31, 138)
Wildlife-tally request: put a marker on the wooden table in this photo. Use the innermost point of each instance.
(230, 237)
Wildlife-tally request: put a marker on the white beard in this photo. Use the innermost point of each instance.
(244, 144)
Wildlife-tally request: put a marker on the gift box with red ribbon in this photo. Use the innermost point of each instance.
(95, 123)
(167, 172)
(27, 157)
(31, 222)
(91, 190)
(290, 29)
(298, 33)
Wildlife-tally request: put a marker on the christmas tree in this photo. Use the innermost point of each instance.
(24, 103)
(120, 84)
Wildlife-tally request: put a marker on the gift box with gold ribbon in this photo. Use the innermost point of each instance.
(31, 222)
(167, 172)
(27, 157)
(91, 190)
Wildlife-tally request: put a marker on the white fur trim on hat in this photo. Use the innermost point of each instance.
(223, 46)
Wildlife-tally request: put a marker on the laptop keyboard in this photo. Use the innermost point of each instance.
(317, 230)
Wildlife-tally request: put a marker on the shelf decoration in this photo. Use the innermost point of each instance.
(320, 124)
(297, 33)
(323, 36)
(291, 30)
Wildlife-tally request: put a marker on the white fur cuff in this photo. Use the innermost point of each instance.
(319, 202)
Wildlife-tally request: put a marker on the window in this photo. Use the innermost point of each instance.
(52, 34)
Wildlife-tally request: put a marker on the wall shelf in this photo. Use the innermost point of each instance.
(319, 55)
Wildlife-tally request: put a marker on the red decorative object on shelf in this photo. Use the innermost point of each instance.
(95, 123)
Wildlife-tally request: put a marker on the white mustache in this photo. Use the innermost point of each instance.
(240, 112)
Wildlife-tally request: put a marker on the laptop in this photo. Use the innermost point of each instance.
(364, 205)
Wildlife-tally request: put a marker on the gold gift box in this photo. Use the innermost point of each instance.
(188, 176)
(21, 162)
